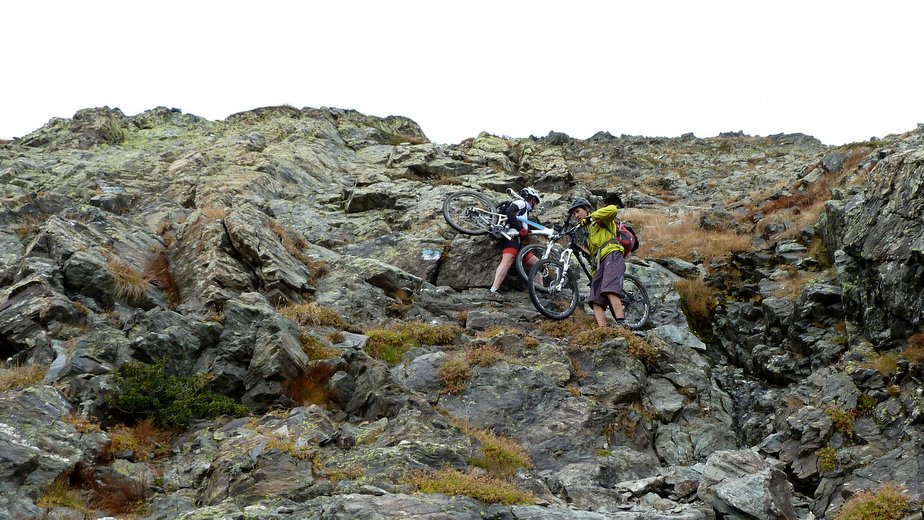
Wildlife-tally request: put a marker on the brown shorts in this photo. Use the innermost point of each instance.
(608, 279)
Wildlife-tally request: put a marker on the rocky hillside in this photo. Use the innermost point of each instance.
(267, 317)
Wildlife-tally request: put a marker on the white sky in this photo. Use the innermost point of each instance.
(842, 71)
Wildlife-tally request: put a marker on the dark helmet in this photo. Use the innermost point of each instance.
(528, 192)
(580, 202)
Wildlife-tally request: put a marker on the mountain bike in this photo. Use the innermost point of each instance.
(473, 213)
(553, 283)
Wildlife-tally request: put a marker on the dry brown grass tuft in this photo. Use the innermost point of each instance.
(636, 347)
(310, 387)
(886, 364)
(483, 355)
(20, 376)
(314, 315)
(61, 494)
(145, 440)
(82, 424)
(454, 374)
(214, 213)
(130, 285)
(295, 244)
(28, 227)
(561, 329)
(697, 300)
(501, 456)
(791, 287)
(480, 487)
(914, 352)
(665, 235)
(158, 272)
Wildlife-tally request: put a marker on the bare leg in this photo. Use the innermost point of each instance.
(531, 261)
(615, 306)
(501, 272)
(599, 314)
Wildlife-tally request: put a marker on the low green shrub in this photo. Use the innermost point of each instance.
(389, 345)
(827, 458)
(147, 392)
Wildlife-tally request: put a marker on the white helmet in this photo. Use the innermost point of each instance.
(530, 192)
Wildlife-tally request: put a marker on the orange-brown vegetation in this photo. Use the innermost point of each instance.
(130, 285)
(668, 235)
(145, 440)
(698, 300)
(158, 272)
(483, 355)
(20, 376)
(310, 386)
(914, 352)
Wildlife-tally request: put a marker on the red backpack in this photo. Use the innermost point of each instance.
(627, 238)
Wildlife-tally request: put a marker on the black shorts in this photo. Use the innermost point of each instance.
(510, 246)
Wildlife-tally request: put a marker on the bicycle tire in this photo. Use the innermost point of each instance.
(455, 207)
(635, 304)
(558, 296)
(536, 249)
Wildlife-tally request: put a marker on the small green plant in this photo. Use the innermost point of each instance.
(866, 403)
(146, 391)
(389, 345)
(485, 488)
(889, 502)
(288, 446)
(314, 349)
(827, 458)
(842, 419)
(454, 374)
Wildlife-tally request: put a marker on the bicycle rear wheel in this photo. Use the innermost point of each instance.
(552, 291)
(466, 212)
(635, 303)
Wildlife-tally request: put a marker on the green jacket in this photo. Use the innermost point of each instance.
(601, 240)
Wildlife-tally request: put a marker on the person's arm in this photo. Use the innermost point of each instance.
(605, 214)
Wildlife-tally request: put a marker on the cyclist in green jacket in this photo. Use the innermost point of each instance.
(607, 257)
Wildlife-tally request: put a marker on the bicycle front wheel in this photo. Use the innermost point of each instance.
(552, 291)
(468, 212)
(536, 250)
(635, 303)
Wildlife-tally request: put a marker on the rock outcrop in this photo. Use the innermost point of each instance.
(327, 347)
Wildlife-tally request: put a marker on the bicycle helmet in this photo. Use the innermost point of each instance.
(580, 202)
(530, 192)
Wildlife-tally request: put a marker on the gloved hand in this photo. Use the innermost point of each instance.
(586, 221)
(524, 231)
